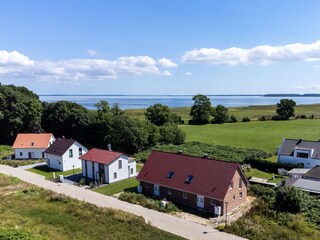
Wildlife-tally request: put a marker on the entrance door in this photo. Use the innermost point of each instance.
(30, 155)
(156, 190)
(200, 201)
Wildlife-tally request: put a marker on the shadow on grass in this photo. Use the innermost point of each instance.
(45, 168)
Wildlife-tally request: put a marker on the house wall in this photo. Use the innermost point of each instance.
(308, 162)
(55, 162)
(69, 162)
(176, 197)
(233, 195)
(37, 152)
(122, 173)
(133, 166)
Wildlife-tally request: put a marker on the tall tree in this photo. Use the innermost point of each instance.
(220, 114)
(285, 109)
(201, 110)
(158, 114)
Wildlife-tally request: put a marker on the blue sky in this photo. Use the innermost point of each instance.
(161, 47)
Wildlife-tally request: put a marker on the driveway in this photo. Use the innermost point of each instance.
(160, 220)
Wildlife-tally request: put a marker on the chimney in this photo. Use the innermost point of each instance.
(205, 155)
(180, 152)
(109, 147)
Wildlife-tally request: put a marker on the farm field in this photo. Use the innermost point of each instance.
(29, 212)
(264, 135)
(254, 112)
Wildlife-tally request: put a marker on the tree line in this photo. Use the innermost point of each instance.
(22, 111)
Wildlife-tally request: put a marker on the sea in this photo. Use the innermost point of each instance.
(144, 101)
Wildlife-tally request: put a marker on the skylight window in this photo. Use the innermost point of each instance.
(170, 174)
(189, 179)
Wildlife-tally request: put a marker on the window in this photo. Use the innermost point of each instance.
(302, 155)
(170, 175)
(189, 179)
(114, 175)
(20, 153)
(185, 195)
(231, 185)
(240, 183)
(146, 185)
(169, 191)
(32, 144)
(131, 171)
(234, 198)
(213, 202)
(120, 164)
(240, 195)
(80, 151)
(70, 153)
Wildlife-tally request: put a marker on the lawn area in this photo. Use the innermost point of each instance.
(254, 112)
(139, 166)
(257, 173)
(117, 187)
(29, 212)
(5, 150)
(48, 172)
(264, 135)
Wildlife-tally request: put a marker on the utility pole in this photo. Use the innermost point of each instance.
(226, 214)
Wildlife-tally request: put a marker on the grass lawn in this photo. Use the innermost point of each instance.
(29, 212)
(264, 135)
(254, 112)
(117, 187)
(139, 166)
(5, 150)
(257, 173)
(47, 172)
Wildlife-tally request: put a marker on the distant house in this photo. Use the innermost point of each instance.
(212, 185)
(32, 145)
(298, 151)
(313, 174)
(297, 172)
(106, 166)
(64, 154)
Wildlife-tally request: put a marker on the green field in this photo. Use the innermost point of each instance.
(117, 187)
(254, 112)
(5, 150)
(28, 212)
(273, 178)
(48, 172)
(264, 135)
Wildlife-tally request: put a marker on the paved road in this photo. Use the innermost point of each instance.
(160, 220)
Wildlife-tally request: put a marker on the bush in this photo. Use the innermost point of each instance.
(148, 202)
(291, 199)
(264, 192)
(246, 119)
(232, 119)
(267, 166)
(17, 234)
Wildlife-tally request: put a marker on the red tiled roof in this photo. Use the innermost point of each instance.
(32, 140)
(101, 156)
(211, 178)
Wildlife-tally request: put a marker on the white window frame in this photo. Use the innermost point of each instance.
(70, 153)
(115, 175)
(231, 185)
(120, 164)
(169, 191)
(185, 195)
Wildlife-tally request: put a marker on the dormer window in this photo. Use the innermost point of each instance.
(189, 179)
(302, 155)
(170, 175)
(32, 144)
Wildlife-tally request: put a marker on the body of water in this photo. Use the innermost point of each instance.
(129, 102)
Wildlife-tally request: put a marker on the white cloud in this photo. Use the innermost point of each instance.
(14, 64)
(166, 73)
(311, 87)
(263, 54)
(164, 62)
(91, 52)
(188, 74)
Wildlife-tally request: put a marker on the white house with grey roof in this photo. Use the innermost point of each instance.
(298, 151)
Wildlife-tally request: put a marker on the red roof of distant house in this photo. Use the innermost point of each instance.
(211, 178)
(101, 156)
(32, 140)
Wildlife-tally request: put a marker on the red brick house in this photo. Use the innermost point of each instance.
(214, 186)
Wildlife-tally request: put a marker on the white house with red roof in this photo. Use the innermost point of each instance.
(214, 186)
(32, 145)
(106, 166)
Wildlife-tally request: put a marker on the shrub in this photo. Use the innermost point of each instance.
(246, 119)
(233, 119)
(267, 166)
(57, 197)
(291, 199)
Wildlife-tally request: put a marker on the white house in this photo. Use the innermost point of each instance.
(64, 154)
(298, 151)
(32, 145)
(106, 166)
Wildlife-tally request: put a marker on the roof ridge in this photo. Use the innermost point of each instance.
(302, 140)
(187, 155)
(107, 150)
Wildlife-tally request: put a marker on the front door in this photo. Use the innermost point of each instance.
(30, 155)
(200, 201)
(156, 190)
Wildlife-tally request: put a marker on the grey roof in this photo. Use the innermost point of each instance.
(60, 146)
(288, 145)
(298, 170)
(307, 185)
(313, 173)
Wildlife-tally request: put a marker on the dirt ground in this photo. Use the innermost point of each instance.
(232, 215)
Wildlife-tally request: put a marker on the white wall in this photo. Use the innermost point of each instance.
(308, 162)
(55, 162)
(69, 162)
(37, 152)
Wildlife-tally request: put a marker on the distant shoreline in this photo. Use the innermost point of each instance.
(187, 95)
